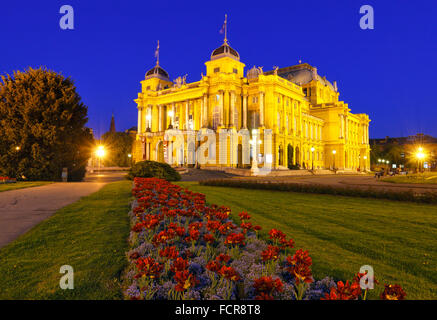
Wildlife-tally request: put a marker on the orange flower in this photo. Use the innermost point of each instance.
(235, 238)
(265, 287)
(300, 265)
(229, 273)
(179, 265)
(213, 266)
(184, 280)
(393, 292)
(244, 216)
(169, 252)
(147, 267)
(271, 253)
(344, 291)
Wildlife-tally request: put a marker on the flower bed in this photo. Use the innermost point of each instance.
(183, 248)
(7, 180)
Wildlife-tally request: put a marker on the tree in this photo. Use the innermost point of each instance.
(118, 145)
(42, 126)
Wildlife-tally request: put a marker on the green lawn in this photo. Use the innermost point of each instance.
(21, 185)
(425, 178)
(90, 235)
(398, 239)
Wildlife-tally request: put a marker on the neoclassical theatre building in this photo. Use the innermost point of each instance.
(310, 127)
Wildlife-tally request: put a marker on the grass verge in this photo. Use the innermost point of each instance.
(398, 239)
(22, 185)
(90, 235)
(419, 178)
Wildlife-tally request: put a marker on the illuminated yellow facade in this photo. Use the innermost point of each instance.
(310, 127)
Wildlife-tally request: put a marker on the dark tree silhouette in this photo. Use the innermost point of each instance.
(42, 126)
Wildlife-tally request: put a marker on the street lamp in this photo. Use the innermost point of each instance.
(170, 115)
(333, 154)
(17, 148)
(100, 152)
(312, 152)
(420, 155)
(365, 163)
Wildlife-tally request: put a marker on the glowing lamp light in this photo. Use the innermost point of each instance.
(100, 151)
(312, 149)
(420, 155)
(129, 155)
(148, 117)
(17, 148)
(171, 114)
(334, 151)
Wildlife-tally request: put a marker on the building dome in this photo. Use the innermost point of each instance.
(254, 73)
(225, 51)
(302, 74)
(157, 72)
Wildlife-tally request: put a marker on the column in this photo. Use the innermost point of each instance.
(341, 126)
(187, 106)
(140, 117)
(201, 112)
(232, 110)
(261, 109)
(221, 108)
(205, 111)
(245, 111)
(292, 118)
(367, 134)
(160, 118)
(300, 118)
(346, 133)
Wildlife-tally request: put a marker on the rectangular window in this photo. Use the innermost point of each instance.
(216, 70)
(305, 92)
(235, 70)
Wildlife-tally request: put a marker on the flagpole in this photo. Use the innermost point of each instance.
(226, 28)
(157, 55)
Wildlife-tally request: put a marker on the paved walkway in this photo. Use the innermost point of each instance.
(22, 209)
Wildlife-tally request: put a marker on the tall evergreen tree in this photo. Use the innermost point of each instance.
(42, 126)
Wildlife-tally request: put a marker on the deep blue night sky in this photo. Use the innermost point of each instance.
(389, 72)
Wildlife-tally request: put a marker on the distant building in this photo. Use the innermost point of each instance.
(112, 126)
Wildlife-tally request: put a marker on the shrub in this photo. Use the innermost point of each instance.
(153, 169)
(324, 189)
(293, 167)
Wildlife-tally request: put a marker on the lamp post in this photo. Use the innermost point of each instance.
(129, 155)
(170, 115)
(420, 155)
(333, 155)
(365, 163)
(312, 164)
(100, 152)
